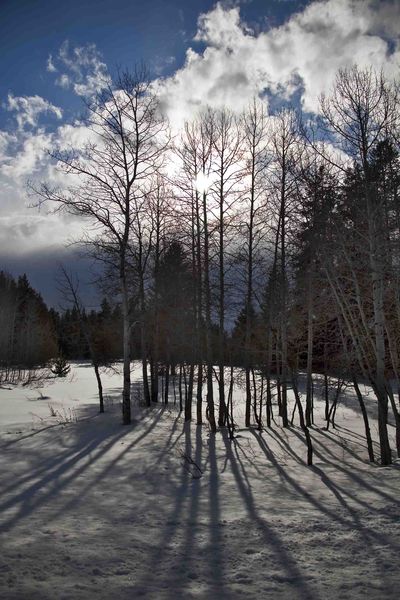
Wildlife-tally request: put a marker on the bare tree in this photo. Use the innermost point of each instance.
(194, 197)
(360, 112)
(192, 155)
(110, 174)
(254, 222)
(227, 153)
(285, 147)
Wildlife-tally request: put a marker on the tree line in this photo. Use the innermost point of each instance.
(32, 335)
(265, 241)
(26, 329)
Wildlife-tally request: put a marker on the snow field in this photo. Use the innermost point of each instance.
(92, 509)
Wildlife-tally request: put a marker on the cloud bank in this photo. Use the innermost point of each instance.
(301, 56)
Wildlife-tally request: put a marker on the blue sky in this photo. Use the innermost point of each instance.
(124, 32)
(200, 53)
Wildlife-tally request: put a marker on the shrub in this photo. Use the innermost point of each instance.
(60, 367)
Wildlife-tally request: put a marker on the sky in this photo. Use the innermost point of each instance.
(56, 54)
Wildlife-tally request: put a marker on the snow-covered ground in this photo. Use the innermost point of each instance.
(92, 509)
(67, 396)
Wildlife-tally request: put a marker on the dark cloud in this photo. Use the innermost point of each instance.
(42, 270)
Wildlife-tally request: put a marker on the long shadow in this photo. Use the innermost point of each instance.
(184, 517)
(285, 558)
(62, 456)
(187, 547)
(191, 525)
(26, 498)
(358, 438)
(336, 490)
(6, 445)
(170, 444)
(250, 457)
(367, 534)
(216, 562)
(339, 493)
(61, 474)
(284, 444)
(301, 491)
(48, 464)
(110, 466)
(29, 500)
(352, 473)
(160, 552)
(336, 439)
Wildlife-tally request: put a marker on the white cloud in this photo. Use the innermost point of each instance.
(30, 231)
(24, 156)
(30, 157)
(50, 65)
(160, 63)
(6, 141)
(302, 55)
(81, 68)
(64, 81)
(27, 109)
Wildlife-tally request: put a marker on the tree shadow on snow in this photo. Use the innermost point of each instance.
(197, 542)
(87, 444)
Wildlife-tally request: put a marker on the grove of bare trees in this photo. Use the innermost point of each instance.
(251, 249)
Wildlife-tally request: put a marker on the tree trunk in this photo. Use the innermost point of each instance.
(366, 420)
(99, 387)
(396, 415)
(189, 399)
(377, 279)
(199, 395)
(210, 413)
(309, 384)
(180, 389)
(332, 410)
(146, 389)
(302, 423)
(248, 397)
(154, 368)
(386, 453)
(230, 421)
(166, 389)
(126, 392)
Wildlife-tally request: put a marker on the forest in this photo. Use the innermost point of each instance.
(268, 242)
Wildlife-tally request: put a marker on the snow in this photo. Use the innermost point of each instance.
(93, 509)
(67, 396)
